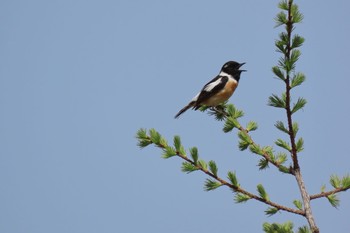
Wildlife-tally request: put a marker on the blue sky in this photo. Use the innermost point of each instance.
(79, 78)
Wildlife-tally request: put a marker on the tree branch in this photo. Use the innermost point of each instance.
(296, 167)
(156, 139)
(241, 190)
(222, 112)
(325, 194)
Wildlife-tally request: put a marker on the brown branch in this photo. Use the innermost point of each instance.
(241, 190)
(224, 182)
(297, 173)
(326, 194)
(289, 28)
(265, 155)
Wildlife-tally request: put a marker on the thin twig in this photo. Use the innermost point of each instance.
(241, 190)
(325, 194)
(265, 155)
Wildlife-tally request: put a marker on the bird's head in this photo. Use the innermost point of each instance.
(233, 68)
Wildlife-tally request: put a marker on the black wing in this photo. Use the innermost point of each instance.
(204, 94)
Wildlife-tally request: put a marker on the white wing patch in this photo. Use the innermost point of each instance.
(211, 86)
(195, 98)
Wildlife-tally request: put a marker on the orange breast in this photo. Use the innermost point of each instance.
(222, 95)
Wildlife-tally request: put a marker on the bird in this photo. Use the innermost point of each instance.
(219, 89)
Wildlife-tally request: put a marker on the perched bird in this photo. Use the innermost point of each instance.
(217, 90)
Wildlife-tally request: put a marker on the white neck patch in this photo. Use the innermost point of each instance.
(222, 73)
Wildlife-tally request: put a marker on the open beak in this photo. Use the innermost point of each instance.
(242, 65)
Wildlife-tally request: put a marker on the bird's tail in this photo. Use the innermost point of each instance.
(185, 109)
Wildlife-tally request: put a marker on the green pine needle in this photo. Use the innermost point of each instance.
(335, 181)
(213, 168)
(263, 194)
(144, 143)
(281, 158)
(143, 139)
(244, 137)
(233, 179)
(281, 19)
(256, 149)
(182, 151)
(233, 111)
(297, 80)
(281, 48)
(203, 108)
(294, 57)
(141, 134)
(177, 142)
(289, 64)
(298, 204)
(230, 124)
(283, 144)
(168, 152)
(295, 127)
(300, 145)
(333, 200)
(218, 112)
(304, 229)
(251, 126)
(297, 41)
(202, 164)
(163, 142)
(243, 145)
(281, 63)
(245, 140)
(263, 164)
(284, 169)
(155, 136)
(299, 105)
(278, 228)
(241, 198)
(283, 5)
(279, 125)
(297, 16)
(271, 211)
(269, 151)
(178, 146)
(194, 154)
(276, 101)
(283, 38)
(188, 167)
(276, 70)
(238, 114)
(230, 109)
(345, 182)
(211, 185)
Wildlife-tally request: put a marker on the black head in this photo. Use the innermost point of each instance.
(232, 67)
(237, 74)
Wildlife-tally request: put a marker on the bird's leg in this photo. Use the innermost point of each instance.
(219, 109)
